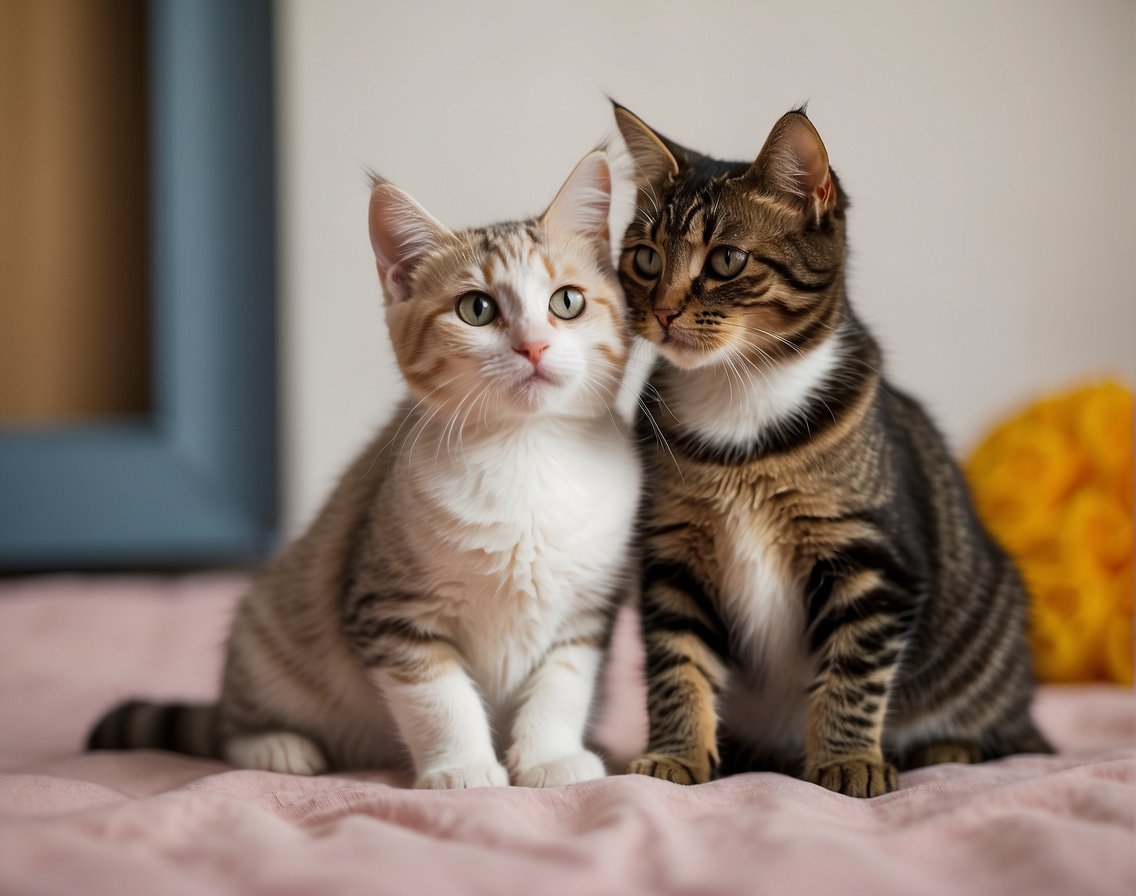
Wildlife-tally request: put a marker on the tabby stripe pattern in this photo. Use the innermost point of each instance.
(687, 653)
(185, 728)
(819, 595)
(382, 638)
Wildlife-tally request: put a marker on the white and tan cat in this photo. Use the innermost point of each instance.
(450, 606)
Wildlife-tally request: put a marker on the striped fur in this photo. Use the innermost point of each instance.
(185, 728)
(818, 596)
(450, 607)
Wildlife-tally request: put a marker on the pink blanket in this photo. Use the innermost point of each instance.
(159, 823)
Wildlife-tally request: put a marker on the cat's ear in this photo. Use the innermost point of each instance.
(655, 158)
(583, 202)
(402, 234)
(794, 164)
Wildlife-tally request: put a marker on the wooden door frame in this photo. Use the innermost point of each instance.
(196, 481)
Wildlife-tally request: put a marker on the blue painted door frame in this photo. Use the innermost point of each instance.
(196, 482)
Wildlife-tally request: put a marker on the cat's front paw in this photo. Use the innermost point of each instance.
(480, 774)
(855, 777)
(276, 751)
(677, 769)
(582, 766)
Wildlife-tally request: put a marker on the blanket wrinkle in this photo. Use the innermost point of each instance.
(153, 822)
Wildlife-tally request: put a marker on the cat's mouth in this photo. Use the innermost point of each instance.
(682, 349)
(677, 337)
(531, 387)
(538, 375)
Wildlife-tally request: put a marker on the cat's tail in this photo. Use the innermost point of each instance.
(182, 727)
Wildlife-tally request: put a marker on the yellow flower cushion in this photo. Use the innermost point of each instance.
(1054, 485)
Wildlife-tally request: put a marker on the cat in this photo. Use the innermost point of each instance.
(450, 606)
(818, 595)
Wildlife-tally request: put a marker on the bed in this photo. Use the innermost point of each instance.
(150, 822)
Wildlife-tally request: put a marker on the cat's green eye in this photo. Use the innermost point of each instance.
(727, 262)
(477, 309)
(647, 262)
(567, 303)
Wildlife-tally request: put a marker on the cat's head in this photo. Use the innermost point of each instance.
(733, 262)
(519, 318)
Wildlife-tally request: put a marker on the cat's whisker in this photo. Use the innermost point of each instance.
(482, 416)
(425, 423)
(661, 438)
(657, 396)
(738, 355)
(407, 416)
(645, 218)
(448, 429)
(741, 332)
(459, 431)
(780, 339)
(595, 390)
(457, 427)
(420, 421)
(731, 374)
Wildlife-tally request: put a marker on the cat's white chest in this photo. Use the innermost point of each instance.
(764, 606)
(522, 533)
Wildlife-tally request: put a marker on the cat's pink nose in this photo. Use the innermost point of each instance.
(531, 350)
(666, 315)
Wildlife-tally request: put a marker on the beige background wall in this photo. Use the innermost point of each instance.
(988, 148)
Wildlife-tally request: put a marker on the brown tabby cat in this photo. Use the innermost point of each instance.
(818, 594)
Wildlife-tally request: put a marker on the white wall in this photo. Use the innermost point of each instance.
(988, 147)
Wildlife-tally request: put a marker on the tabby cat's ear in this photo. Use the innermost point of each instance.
(656, 159)
(402, 234)
(582, 205)
(794, 164)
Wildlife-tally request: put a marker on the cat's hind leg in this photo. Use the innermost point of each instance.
(276, 751)
(1030, 740)
(964, 753)
(939, 752)
(1019, 736)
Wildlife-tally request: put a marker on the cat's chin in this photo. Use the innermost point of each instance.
(686, 356)
(552, 397)
(535, 393)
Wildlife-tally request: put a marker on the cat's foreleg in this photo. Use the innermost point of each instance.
(434, 704)
(686, 648)
(552, 715)
(443, 724)
(861, 613)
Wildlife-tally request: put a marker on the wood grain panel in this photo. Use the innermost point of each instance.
(74, 259)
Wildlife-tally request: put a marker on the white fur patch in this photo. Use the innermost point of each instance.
(731, 408)
(525, 528)
(443, 724)
(640, 363)
(550, 722)
(766, 702)
(276, 751)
